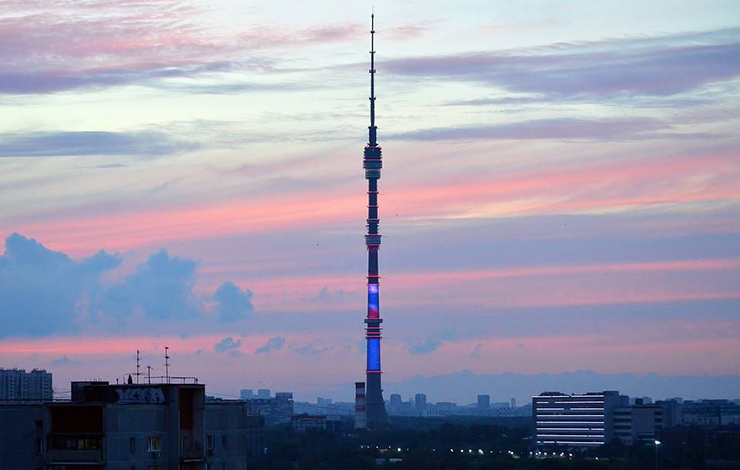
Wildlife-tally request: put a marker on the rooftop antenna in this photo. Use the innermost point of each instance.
(166, 364)
(137, 367)
(149, 374)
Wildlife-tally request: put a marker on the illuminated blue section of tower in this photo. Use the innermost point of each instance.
(373, 354)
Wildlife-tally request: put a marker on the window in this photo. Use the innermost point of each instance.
(132, 445)
(223, 466)
(209, 442)
(154, 444)
(224, 442)
(153, 467)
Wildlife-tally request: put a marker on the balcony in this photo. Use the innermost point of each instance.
(56, 457)
(75, 447)
(194, 451)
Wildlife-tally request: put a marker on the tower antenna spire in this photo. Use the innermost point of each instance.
(372, 128)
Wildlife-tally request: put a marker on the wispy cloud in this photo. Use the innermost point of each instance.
(100, 43)
(64, 361)
(310, 350)
(52, 144)
(565, 128)
(428, 346)
(273, 344)
(622, 67)
(227, 344)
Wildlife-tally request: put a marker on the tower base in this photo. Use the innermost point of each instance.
(377, 416)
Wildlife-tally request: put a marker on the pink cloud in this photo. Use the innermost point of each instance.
(600, 187)
(544, 286)
(106, 43)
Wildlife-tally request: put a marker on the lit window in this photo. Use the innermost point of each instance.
(154, 444)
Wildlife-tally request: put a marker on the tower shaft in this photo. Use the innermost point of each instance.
(372, 163)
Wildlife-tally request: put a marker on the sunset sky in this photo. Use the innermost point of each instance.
(560, 190)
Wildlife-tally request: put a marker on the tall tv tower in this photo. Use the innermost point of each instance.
(374, 403)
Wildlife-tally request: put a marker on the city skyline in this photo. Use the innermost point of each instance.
(560, 194)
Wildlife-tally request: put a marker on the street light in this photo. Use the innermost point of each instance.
(657, 443)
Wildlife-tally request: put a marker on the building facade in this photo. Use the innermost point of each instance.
(304, 422)
(710, 413)
(581, 420)
(19, 385)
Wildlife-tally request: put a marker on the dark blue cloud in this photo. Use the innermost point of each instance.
(233, 304)
(433, 343)
(41, 289)
(645, 66)
(53, 144)
(310, 350)
(47, 82)
(227, 344)
(161, 288)
(428, 346)
(43, 292)
(64, 361)
(273, 344)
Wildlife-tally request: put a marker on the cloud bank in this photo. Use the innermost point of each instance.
(44, 292)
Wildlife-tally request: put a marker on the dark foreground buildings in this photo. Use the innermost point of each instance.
(130, 427)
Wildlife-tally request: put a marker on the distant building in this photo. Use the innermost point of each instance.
(304, 422)
(447, 407)
(581, 420)
(330, 410)
(643, 422)
(157, 426)
(246, 394)
(263, 393)
(396, 400)
(276, 410)
(710, 413)
(512, 403)
(323, 401)
(484, 402)
(19, 385)
(420, 402)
